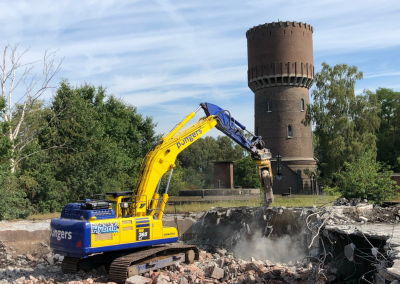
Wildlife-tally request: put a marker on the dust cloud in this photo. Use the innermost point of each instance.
(280, 249)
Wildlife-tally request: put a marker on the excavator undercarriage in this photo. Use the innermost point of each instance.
(122, 265)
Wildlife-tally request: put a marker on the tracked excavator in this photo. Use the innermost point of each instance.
(123, 230)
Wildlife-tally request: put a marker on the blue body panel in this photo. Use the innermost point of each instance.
(75, 211)
(66, 234)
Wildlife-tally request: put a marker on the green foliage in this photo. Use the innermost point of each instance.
(12, 198)
(86, 142)
(366, 179)
(197, 159)
(331, 191)
(95, 144)
(13, 204)
(389, 130)
(176, 183)
(344, 124)
(245, 173)
(5, 143)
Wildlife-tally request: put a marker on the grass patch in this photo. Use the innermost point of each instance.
(44, 216)
(304, 200)
(204, 206)
(286, 201)
(397, 198)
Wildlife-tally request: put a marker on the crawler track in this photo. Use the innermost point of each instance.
(69, 265)
(119, 267)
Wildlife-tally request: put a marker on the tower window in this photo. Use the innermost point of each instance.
(284, 32)
(269, 106)
(302, 104)
(289, 131)
(291, 31)
(270, 33)
(257, 131)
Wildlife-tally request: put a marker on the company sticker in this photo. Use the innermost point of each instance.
(188, 138)
(103, 228)
(142, 234)
(61, 235)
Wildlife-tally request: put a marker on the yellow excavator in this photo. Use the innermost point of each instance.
(123, 230)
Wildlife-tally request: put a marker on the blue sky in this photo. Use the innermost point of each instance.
(167, 56)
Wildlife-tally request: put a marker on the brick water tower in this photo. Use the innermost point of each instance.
(280, 73)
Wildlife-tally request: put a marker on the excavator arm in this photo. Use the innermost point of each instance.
(163, 155)
(251, 143)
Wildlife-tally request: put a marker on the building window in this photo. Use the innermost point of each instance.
(302, 104)
(289, 131)
(268, 105)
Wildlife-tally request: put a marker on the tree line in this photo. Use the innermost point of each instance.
(356, 137)
(84, 142)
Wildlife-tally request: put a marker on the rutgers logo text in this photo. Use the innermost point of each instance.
(61, 235)
(188, 138)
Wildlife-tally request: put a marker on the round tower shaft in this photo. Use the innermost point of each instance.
(280, 73)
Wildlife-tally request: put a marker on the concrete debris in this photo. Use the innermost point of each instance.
(229, 269)
(35, 268)
(350, 202)
(219, 267)
(265, 229)
(219, 233)
(138, 280)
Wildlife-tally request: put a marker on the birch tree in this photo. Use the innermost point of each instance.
(22, 85)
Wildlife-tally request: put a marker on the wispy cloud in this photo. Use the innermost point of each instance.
(396, 73)
(166, 56)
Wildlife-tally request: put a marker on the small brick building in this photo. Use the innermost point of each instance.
(223, 174)
(280, 73)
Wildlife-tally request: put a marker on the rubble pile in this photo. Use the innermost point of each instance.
(40, 266)
(219, 267)
(223, 267)
(357, 210)
(318, 233)
(228, 227)
(349, 202)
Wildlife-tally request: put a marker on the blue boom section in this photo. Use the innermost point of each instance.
(79, 212)
(233, 128)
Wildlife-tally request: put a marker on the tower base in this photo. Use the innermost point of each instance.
(298, 176)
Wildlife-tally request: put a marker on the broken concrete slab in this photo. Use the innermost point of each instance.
(138, 280)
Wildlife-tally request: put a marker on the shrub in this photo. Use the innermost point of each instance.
(366, 179)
